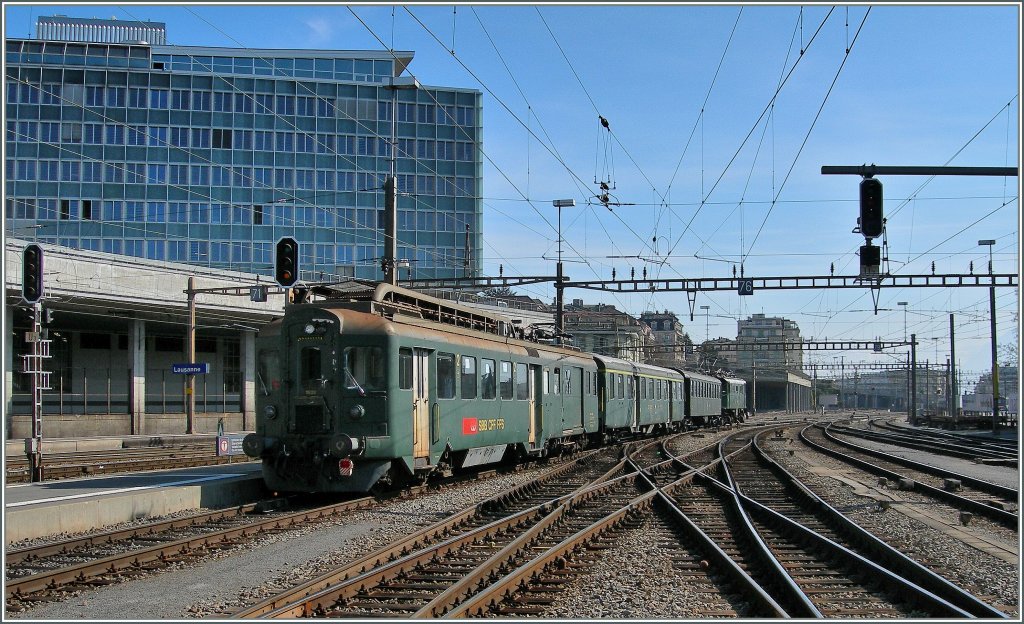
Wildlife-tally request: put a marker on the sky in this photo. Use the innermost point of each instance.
(720, 118)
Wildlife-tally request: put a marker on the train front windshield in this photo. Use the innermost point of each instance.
(363, 369)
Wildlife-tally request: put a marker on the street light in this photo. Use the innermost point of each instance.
(904, 304)
(992, 314)
(559, 297)
(391, 185)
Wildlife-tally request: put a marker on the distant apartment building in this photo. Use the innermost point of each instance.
(119, 142)
(605, 330)
(760, 330)
(672, 345)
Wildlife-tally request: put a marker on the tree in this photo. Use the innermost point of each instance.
(498, 292)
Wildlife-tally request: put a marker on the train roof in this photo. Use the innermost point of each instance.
(648, 369)
(735, 380)
(613, 363)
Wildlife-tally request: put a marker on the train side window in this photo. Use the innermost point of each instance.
(556, 382)
(405, 369)
(621, 383)
(568, 381)
(505, 380)
(610, 385)
(522, 382)
(446, 375)
(660, 390)
(487, 379)
(629, 387)
(468, 378)
(545, 383)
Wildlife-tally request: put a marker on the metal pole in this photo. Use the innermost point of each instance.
(995, 364)
(869, 171)
(390, 227)
(954, 397)
(190, 378)
(391, 201)
(35, 445)
(913, 379)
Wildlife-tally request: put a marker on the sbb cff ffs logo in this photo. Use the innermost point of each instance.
(286, 262)
(32, 273)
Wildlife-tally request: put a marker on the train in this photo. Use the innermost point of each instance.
(374, 386)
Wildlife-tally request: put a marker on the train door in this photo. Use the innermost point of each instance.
(535, 404)
(575, 384)
(420, 403)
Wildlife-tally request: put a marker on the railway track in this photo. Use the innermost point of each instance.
(995, 445)
(961, 491)
(757, 476)
(418, 574)
(961, 447)
(69, 465)
(42, 572)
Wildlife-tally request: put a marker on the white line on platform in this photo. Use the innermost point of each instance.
(131, 489)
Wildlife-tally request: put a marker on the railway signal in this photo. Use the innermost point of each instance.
(871, 220)
(32, 273)
(286, 262)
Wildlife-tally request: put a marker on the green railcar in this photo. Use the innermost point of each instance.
(391, 386)
(734, 399)
(703, 399)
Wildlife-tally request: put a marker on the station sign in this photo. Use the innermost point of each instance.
(745, 286)
(195, 368)
(230, 444)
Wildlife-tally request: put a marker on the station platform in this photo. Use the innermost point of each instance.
(33, 510)
(108, 443)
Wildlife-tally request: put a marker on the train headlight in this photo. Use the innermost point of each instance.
(270, 412)
(343, 445)
(357, 411)
(309, 328)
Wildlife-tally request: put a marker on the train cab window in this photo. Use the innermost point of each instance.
(487, 379)
(310, 369)
(405, 369)
(363, 369)
(445, 376)
(522, 382)
(505, 380)
(468, 377)
(268, 371)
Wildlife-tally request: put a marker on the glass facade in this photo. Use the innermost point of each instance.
(210, 155)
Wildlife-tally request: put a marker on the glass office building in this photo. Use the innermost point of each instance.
(210, 155)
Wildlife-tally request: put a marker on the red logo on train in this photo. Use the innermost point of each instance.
(469, 426)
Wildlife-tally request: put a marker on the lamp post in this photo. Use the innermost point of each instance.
(559, 295)
(992, 313)
(391, 185)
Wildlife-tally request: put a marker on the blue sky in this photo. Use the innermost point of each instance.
(694, 142)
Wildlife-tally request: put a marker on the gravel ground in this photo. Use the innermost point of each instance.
(977, 572)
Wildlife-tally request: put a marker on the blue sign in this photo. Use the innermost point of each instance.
(230, 444)
(198, 368)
